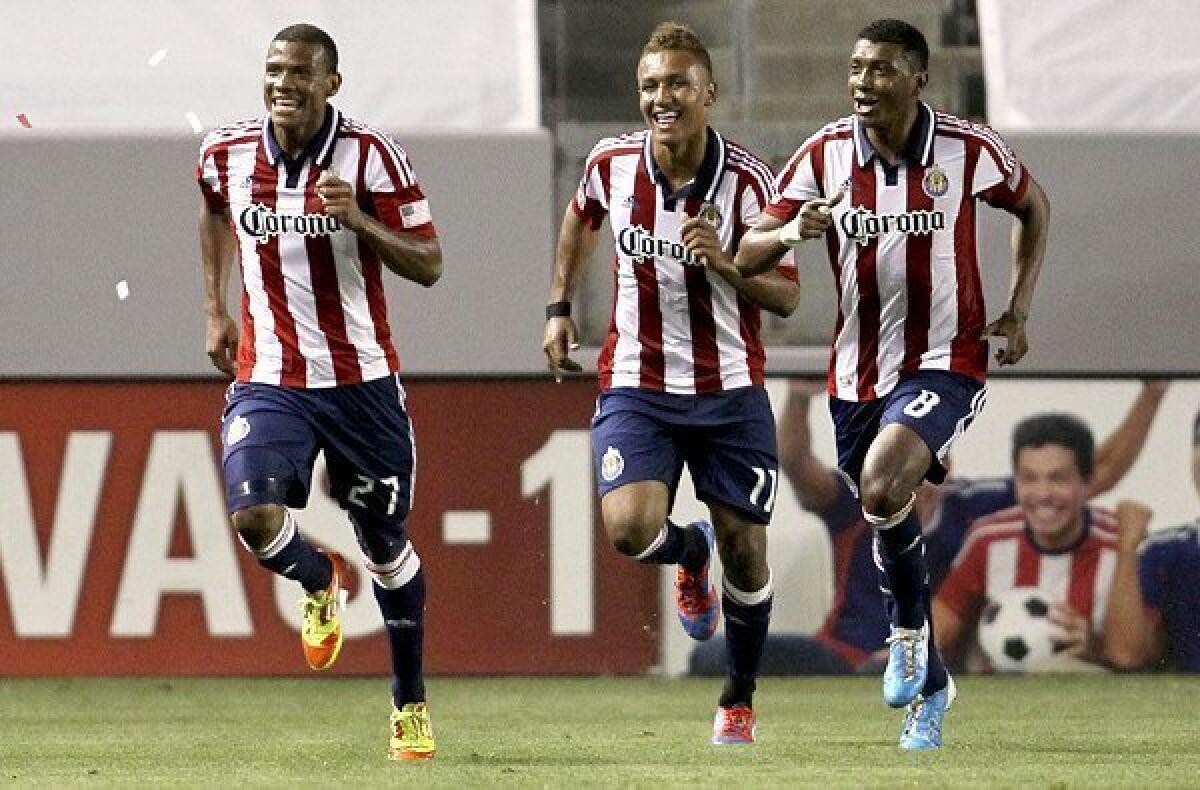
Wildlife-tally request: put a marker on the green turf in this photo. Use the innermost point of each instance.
(1061, 731)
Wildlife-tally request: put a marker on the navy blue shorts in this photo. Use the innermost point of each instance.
(271, 436)
(726, 439)
(937, 404)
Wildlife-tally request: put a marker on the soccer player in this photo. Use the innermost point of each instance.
(1052, 540)
(893, 189)
(315, 205)
(681, 370)
(1154, 606)
(851, 637)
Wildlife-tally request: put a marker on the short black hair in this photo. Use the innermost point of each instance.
(897, 31)
(1063, 430)
(674, 37)
(311, 34)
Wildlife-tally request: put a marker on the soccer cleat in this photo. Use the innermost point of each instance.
(907, 665)
(695, 597)
(321, 634)
(412, 733)
(923, 719)
(734, 724)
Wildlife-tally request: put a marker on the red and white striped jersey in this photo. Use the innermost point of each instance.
(676, 326)
(313, 310)
(903, 245)
(999, 555)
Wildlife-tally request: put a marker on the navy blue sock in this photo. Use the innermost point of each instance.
(936, 680)
(685, 546)
(902, 552)
(293, 557)
(403, 612)
(746, 627)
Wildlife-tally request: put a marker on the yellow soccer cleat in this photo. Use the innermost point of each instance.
(412, 733)
(321, 634)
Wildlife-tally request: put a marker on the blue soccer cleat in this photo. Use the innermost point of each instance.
(695, 597)
(907, 666)
(923, 719)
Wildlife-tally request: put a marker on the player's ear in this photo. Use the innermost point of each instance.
(922, 79)
(710, 94)
(335, 83)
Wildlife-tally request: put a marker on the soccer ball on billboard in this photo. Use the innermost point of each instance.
(1015, 632)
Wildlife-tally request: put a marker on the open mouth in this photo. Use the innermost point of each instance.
(285, 104)
(864, 104)
(665, 119)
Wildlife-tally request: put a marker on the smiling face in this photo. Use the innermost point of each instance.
(884, 84)
(1051, 492)
(298, 82)
(675, 91)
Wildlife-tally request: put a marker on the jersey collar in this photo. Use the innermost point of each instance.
(707, 179)
(319, 148)
(918, 149)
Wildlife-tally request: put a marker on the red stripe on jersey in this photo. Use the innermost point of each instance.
(1029, 563)
(863, 194)
(372, 268)
(605, 362)
(294, 372)
(322, 272)
(968, 350)
(831, 247)
(705, 362)
(653, 365)
(918, 276)
(246, 354)
(749, 314)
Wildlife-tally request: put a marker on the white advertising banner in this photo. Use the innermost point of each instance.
(1091, 64)
(170, 66)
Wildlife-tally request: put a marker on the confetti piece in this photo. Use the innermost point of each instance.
(123, 290)
(197, 127)
(157, 57)
(24, 121)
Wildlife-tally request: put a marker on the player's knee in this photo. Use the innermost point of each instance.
(884, 494)
(744, 560)
(258, 524)
(630, 534)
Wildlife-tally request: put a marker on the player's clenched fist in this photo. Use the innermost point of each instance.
(701, 239)
(814, 219)
(339, 200)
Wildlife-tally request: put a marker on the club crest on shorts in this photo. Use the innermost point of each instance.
(935, 183)
(612, 464)
(238, 429)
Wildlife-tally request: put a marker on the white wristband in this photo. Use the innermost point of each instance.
(789, 234)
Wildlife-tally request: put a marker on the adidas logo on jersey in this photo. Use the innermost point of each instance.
(263, 223)
(635, 242)
(862, 225)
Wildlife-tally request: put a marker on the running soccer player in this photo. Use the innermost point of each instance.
(316, 204)
(893, 190)
(681, 370)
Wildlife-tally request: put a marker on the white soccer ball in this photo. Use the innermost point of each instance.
(1015, 633)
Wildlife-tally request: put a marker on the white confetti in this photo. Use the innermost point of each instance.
(157, 57)
(122, 290)
(192, 118)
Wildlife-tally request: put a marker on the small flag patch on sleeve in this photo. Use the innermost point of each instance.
(415, 214)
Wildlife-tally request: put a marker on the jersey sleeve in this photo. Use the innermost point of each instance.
(1154, 573)
(590, 202)
(757, 196)
(393, 192)
(797, 183)
(964, 589)
(211, 181)
(1000, 178)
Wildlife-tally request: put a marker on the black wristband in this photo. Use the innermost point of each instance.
(558, 310)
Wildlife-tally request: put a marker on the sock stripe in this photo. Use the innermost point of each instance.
(887, 522)
(397, 573)
(749, 598)
(286, 533)
(655, 544)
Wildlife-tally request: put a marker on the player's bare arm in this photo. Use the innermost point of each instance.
(1116, 454)
(217, 246)
(762, 248)
(576, 242)
(1029, 247)
(1133, 635)
(770, 291)
(408, 255)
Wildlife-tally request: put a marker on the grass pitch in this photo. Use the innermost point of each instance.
(1057, 731)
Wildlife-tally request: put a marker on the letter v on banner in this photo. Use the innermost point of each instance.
(43, 597)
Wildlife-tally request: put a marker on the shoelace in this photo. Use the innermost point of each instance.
(918, 716)
(692, 592)
(909, 644)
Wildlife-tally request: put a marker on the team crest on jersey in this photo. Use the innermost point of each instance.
(238, 429)
(863, 225)
(935, 183)
(630, 202)
(635, 242)
(612, 464)
(262, 223)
